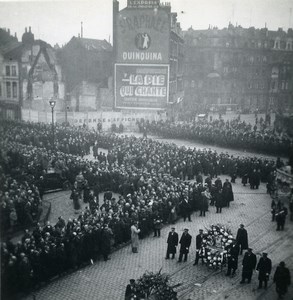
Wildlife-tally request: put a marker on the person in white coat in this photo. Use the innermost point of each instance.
(134, 237)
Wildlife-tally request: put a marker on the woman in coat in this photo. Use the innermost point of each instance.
(134, 237)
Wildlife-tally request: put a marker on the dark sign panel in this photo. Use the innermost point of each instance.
(143, 3)
(143, 36)
(141, 86)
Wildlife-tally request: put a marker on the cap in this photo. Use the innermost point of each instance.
(186, 229)
(264, 253)
(249, 249)
(172, 227)
(201, 230)
(132, 280)
(241, 225)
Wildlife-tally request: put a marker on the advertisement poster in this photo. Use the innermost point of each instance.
(143, 36)
(141, 86)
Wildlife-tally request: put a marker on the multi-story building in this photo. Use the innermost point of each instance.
(238, 68)
(10, 94)
(31, 77)
(86, 66)
(149, 53)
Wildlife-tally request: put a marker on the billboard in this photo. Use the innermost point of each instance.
(141, 86)
(143, 36)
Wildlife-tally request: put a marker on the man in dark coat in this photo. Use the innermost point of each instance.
(219, 201)
(233, 253)
(199, 239)
(242, 238)
(172, 242)
(227, 192)
(264, 267)
(106, 236)
(281, 217)
(185, 209)
(130, 290)
(248, 264)
(282, 279)
(185, 242)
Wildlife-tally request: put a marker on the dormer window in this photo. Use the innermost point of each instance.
(289, 45)
(277, 44)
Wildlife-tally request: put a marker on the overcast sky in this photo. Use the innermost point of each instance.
(57, 21)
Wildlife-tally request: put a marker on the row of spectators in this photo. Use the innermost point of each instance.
(232, 134)
(150, 176)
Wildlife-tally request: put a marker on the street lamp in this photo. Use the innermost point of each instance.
(52, 104)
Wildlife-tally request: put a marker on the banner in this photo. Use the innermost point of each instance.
(141, 86)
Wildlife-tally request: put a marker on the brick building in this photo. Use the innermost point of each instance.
(238, 68)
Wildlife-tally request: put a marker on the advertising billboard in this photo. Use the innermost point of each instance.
(141, 86)
(143, 36)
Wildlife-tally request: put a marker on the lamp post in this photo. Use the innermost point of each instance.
(67, 100)
(52, 104)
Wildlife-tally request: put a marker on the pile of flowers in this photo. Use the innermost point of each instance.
(215, 243)
(155, 286)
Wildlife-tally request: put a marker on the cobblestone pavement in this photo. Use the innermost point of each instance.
(107, 280)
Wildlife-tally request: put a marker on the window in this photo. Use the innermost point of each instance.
(13, 70)
(7, 71)
(14, 89)
(8, 89)
(264, 59)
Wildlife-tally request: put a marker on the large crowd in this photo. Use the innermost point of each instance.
(154, 180)
(232, 134)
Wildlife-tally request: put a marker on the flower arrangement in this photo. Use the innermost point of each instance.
(155, 286)
(216, 241)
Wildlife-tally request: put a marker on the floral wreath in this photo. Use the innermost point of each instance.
(215, 243)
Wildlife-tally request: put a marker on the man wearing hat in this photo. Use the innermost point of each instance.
(199, 239)
(172, 242)
(130, 292)
(282, 279)
(264, 267)
(233, 252)
(242, 238)
(248, 264)
(185, 242)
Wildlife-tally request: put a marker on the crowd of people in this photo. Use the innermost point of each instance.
(232, 134)
(156, 182)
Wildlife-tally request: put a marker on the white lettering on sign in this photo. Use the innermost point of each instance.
(147, 79)
(142, 56)
(148, 91)
(147, 85)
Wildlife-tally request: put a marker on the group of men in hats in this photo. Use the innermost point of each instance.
(249, 262)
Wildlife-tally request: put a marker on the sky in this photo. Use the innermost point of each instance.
(57, 21)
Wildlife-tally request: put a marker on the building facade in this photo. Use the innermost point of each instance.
(10, 93)
(86, 66)
(237, 68)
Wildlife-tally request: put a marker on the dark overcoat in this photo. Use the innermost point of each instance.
(185, 242)
(242, 238)
(172, 242)
(264, 267)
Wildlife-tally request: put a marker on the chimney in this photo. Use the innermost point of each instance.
(81, 30)
(30, 30)
(25, 29)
